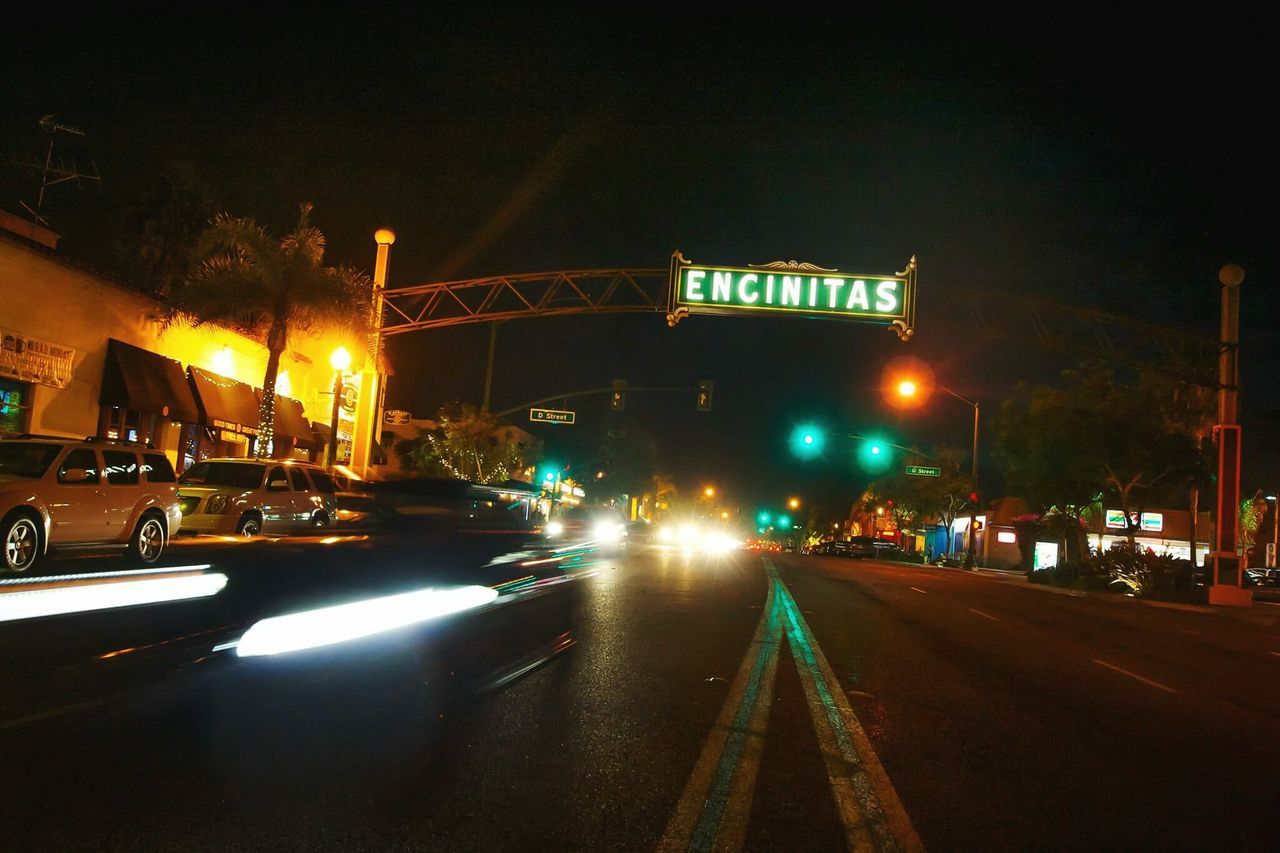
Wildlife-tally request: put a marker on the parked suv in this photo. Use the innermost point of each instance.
(251, 496)
(62, 493)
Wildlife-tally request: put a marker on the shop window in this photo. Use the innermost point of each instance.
(126, 424)
(121, 467)
(15, 402)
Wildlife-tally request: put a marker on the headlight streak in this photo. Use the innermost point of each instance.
(325, 626)
(108, 594)
(554, 528)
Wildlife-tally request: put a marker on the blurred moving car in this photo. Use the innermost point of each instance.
(66, 493)
(354, 509)
(456, 590)
(246, 497)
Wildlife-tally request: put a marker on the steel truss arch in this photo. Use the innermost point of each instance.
(1011, 318)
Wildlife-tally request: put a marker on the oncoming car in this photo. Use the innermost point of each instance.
(61, 493)
(245, 497)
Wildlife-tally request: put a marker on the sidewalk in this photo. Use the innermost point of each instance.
(1263, 613)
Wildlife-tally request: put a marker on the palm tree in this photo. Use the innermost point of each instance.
(268, 289)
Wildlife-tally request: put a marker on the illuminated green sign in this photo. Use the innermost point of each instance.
(923, 471)
(552, 416)
(793, 288)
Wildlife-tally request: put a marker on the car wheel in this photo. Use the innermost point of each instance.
(249, 526)
(147, 542)
(320, 519)
(21, 544)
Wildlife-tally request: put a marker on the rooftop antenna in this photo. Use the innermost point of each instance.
(54, 172)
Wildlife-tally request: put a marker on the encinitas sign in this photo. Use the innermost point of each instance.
(793, 288)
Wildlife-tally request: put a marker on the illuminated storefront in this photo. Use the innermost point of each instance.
(83, 355)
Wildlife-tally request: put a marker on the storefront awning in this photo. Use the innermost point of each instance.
(291, 422)
(225, 403)
(138, 379)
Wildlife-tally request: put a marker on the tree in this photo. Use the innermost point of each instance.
(268, 289)
(470, 444)
(1092, 434)
(918, 498)
(159, 226)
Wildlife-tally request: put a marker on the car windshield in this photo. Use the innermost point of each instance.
(26, 459)
(241, 475)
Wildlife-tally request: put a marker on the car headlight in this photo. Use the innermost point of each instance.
(554, 528)
(217, 504)
(607, 531)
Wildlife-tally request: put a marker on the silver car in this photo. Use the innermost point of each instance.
(245, 497)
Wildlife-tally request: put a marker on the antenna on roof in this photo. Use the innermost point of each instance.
(54, 171)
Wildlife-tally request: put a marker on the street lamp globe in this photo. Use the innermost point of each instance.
(907, 388)
(794, 503)
(340, 359)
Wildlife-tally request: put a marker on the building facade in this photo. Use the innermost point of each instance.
(83, 355)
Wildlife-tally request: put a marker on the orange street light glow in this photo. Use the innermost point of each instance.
(709, 491)
(907, 388)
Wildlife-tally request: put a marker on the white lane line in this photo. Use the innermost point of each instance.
(918, 589)
(983, 615)
(1135, 676)
(1277, 654)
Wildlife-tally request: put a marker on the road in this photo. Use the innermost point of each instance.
(702, 705)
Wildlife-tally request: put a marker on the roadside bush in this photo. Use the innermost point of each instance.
(1125, 571)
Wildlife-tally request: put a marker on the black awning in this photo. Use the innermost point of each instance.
(291, 422)
(138, 379)
(225, 403)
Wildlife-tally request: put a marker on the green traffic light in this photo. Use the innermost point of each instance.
(784, 521)
(807, 441)
(875, 455)
(764, 518)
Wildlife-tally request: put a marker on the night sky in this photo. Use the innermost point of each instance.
(1087, 159)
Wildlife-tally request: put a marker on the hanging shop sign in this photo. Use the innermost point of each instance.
(792, 288)
(30, 359)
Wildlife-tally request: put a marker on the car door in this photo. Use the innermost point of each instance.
(277, 500)
(302, 506)
(121, 471)
(77, 499)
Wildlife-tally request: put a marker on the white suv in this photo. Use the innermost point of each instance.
(246, 497)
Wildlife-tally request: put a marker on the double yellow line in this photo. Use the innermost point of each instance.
(715, 807)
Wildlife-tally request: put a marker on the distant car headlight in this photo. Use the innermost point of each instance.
(608, 531)
(554, 528)
(217, 504)
(664, 534)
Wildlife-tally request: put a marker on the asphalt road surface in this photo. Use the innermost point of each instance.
(789, 703)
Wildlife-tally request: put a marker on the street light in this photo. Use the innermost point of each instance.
(794, 503)
(907, 389)
(340, 360)
(709, 491)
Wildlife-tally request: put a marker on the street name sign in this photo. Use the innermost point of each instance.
(792, 288)
(923, 471)
(552, 416)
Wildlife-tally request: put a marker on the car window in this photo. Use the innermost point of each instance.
(298, 478)
(121, 467)
(81, 458)
(276, 474)
(157, 467)
(324, 483)
(241, 475)
(20, 459)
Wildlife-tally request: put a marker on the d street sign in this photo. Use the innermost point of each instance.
(795, 289)
(552, 416)
(923, 471)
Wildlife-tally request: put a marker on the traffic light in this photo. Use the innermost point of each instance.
(875, 454)
(764, 518)
(808, 441)
(784, 522)
(705, 387)
(618, 402)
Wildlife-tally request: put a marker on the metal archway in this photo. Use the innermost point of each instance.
(996, 316)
